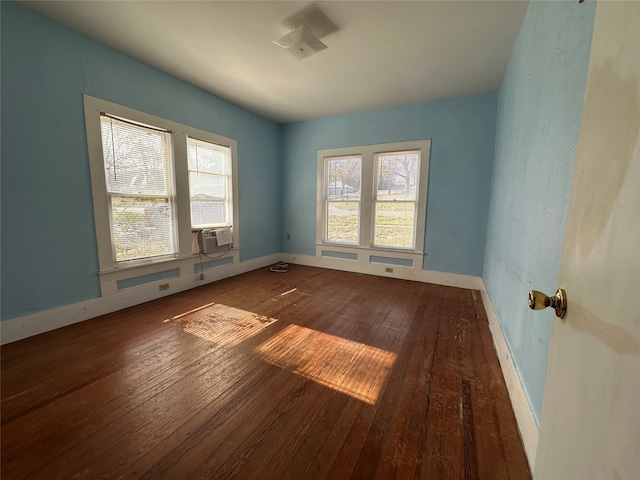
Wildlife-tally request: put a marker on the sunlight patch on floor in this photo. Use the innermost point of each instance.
(349, 367)
(222, 324)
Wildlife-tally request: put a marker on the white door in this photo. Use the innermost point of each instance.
(590, 426)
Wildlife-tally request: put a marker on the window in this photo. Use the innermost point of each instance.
(373, 197)
(155, 183)
(342, 206)
(140, 189)
(395, 199)
(209, 184)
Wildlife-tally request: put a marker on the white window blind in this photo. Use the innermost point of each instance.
(140, 189)
(342, 199)
(210, 184)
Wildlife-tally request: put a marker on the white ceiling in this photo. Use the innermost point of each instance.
(381, 54)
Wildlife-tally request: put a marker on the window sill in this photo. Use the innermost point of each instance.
(140, 264)
(391, 252)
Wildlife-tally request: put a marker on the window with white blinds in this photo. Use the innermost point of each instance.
(156, 183)
(210, 184)
(140, 189)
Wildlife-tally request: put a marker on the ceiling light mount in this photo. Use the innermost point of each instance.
(301, 42)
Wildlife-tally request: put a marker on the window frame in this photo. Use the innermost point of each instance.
(93, 108)
(368, 195)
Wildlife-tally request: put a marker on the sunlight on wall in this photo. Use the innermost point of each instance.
(349, 367)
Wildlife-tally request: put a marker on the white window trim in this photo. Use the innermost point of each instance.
(368, 152)
(108, 269)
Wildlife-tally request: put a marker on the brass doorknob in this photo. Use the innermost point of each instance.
(538, 301)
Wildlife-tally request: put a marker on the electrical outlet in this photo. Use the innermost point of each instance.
(163, 286)
(388, 270)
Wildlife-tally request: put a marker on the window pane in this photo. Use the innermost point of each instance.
(207, 187)
(394, 224)
(397, 175)
(141, 227)
(208, 213)
(343, 222)
(137, 159)
(343, 176)
(208, 157)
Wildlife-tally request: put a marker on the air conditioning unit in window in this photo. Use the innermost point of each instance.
(212, 241)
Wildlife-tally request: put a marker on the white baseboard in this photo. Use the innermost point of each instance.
(524, 415)
(400, 272)
(15, 329)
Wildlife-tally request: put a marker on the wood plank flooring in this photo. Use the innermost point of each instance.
(310, 374)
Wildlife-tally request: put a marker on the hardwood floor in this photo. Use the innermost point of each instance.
(309, 374)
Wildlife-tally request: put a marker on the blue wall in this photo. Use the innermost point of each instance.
(462, 132)
(49, 255)
(539, 110)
